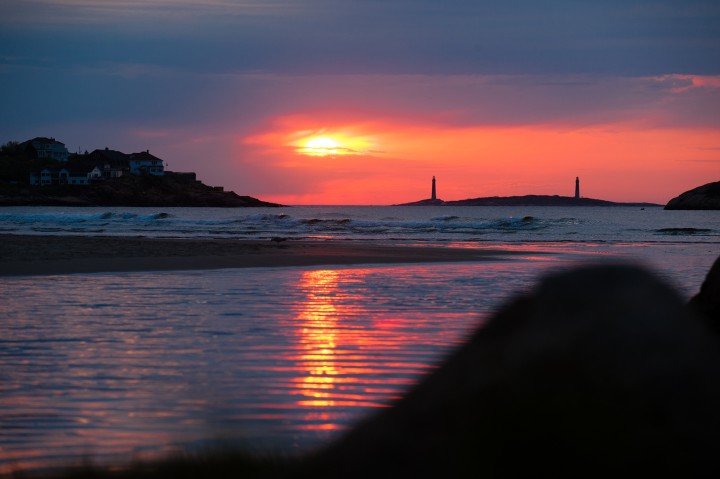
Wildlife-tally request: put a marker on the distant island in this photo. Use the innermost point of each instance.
(705, 197)
(41, 172)
(526, 200)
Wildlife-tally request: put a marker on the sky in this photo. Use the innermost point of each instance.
(362, 102)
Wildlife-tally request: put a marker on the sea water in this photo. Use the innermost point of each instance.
(114, 367)
(377, 223)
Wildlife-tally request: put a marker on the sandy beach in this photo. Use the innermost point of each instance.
(47, 255)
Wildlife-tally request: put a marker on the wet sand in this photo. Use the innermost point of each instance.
(48, 255)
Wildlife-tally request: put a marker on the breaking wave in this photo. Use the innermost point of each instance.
(683, 231)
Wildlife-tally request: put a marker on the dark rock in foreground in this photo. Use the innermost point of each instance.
(707, 301)
(148, 190)
(527, 200)
(600, 372)
(705, 197)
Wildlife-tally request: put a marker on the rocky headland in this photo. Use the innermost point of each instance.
(705, 197)
(170, 189)
(42, 172)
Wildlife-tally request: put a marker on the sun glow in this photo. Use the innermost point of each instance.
(321, 146)
(321, 143)
(336, 145)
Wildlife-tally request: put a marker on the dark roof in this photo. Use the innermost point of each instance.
(42, 139)
(144, 156)
(85, 162)
(108, 154)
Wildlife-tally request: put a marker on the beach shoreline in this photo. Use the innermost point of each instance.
(25, 255)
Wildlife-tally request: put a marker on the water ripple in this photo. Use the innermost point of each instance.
(123, 366)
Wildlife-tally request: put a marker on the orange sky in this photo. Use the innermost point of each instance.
(388, 162)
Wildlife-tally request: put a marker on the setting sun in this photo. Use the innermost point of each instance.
(320, 146)
(332, 145)
(323, 142)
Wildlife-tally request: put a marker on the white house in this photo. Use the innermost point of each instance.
(90, 167)
(60, 176)
(95, 173)
(44, 178)
(48, 148)
(78, 178)
(145, 163)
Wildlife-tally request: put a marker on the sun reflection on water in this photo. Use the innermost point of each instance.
(318, 338)
(324, 356)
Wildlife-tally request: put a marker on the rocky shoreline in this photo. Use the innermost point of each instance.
(705, 197)
(143, 190)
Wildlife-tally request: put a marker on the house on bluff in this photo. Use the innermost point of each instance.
(99, 165)
(42, 147)
(145, 163)
(60, 176)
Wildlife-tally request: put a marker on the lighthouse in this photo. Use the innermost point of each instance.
(577, 186)
(434, 195)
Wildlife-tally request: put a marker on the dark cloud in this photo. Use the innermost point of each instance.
(390, 37)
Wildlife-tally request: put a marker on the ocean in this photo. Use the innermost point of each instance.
(114, 367)
(428, 224)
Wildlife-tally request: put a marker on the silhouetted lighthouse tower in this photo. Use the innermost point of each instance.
(577, 187)
(434, 195)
